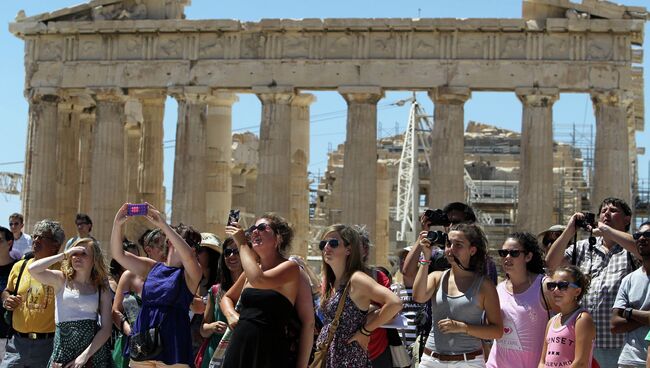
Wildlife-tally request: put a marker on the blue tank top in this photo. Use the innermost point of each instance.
(463, 308)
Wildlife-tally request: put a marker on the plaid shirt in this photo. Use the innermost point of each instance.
(607, 269)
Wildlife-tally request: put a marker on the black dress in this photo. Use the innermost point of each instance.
(260, 338)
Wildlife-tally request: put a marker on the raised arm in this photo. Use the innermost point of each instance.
(621, 238)
(410, 266)
(555, 255)
(39, 269)
(425, 284)
(101, 336)
(229, 300)
(138, 265)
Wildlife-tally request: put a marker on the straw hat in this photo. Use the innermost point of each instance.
(211, 241)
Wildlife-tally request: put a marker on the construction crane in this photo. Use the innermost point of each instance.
(420, 126)
(11, 183)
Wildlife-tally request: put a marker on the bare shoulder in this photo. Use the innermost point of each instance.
(361, 278)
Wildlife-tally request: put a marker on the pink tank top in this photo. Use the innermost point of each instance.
(560, 342)
(524, 316)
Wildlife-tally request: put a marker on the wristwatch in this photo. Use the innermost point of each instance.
(628, 313)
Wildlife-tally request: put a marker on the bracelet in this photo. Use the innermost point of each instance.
(424, 263)
(628, 314)
(364, 331)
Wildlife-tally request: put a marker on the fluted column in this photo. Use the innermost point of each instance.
(446, 183)
(107, 168)
(299, 217)
(274, 170)
(218, 160)
(535, 204)
(611, 158)
(86, 128)
(40, 157)
(359, 191)
(67, 158)
(188, 198)
(133, 121)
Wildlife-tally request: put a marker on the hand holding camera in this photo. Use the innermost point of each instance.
(234, 230)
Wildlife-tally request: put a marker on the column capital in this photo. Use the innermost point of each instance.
(303, 100)
(110, 94)
(43, 94)
(191, 94)
(538, 97)
(361, 94)
(222, 98)
(450, 95)
(149, 95)
(612, 97)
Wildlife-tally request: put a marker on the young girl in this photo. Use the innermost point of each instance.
(81, 292)
(570, 334)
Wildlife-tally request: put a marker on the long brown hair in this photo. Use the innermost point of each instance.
(353, 262)
(99, 273)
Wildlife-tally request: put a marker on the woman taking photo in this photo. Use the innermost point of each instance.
(526, 304)
(267, 292)
(214, 321)
(82, 299)
(345, 276)
(166, 294)
(460, 297)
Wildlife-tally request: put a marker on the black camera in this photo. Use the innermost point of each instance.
(437, 237)
(437, 217)
(589, 220)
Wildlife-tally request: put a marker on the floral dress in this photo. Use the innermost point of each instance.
(340, 353)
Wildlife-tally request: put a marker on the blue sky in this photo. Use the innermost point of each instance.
(328, 113)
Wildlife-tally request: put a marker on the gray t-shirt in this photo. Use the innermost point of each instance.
(634, 293)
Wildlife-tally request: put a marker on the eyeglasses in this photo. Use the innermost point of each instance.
(230, 251)
(82, 223)
(561, 285)
(514, 253)
(41, 236)
(14, 223)
(645, 234)
(332, 242)
(260, 228)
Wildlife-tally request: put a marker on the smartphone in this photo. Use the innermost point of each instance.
(137, 209)
(233, 216)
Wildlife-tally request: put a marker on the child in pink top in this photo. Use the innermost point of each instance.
(570, 334)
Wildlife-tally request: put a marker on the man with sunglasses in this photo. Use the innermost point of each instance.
(22, 241)
(608, 261)
(84, 227)
(631, 311)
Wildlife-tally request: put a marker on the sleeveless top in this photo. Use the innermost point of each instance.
(524, 316)
(260, 338)
(340, 353)
(560, 342)
(463, 308)
(72, 306)
(165, 303)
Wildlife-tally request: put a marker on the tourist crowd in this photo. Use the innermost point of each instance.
(180, 298)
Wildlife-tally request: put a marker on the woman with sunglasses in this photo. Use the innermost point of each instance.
(214, 321)
(460, 298)
(570, 334)
(265, 294)
(345, 273)
(167, 292)
(526, 305)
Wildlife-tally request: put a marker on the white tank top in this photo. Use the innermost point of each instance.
(72, 306)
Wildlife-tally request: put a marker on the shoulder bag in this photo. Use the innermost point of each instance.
(320, 356)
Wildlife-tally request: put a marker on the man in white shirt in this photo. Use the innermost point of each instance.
(22, 241)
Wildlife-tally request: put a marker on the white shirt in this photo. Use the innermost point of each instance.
(21, 246)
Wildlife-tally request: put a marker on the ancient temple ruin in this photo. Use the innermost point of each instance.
(97, 76)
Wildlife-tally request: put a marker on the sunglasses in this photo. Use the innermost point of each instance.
(645, 234)
(230, 251)
(332, 242)
(561, 285)
(514, 253)
(14, 223)
(260, 228)
(40, 236)
(82, 223)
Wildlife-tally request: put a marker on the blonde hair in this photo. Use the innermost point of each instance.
(99, 272)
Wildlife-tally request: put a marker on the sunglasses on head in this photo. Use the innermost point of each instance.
(332, 242)
(645, 234)
(561, 285)
(261, 227)
(230, 251)
(514, 253)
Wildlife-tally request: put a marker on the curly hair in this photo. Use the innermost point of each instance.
(579, 278)
(281, 227)
(476, 238)
(52, 227)
(529, 242)
(99, 272)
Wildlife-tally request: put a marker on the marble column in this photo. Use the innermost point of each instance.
(611, 157)
(382, 239)
(107, 192)
(188, 197)
(535, 203)
(219, 161)
(299, 211)
(133, 121)
(68, 168)
(359, 190)
(446, 180)
(274, 170)
(86, 128)
(150, 169)
(40, 157)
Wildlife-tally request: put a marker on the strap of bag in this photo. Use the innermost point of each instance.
(20, 274)
(335, 322)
